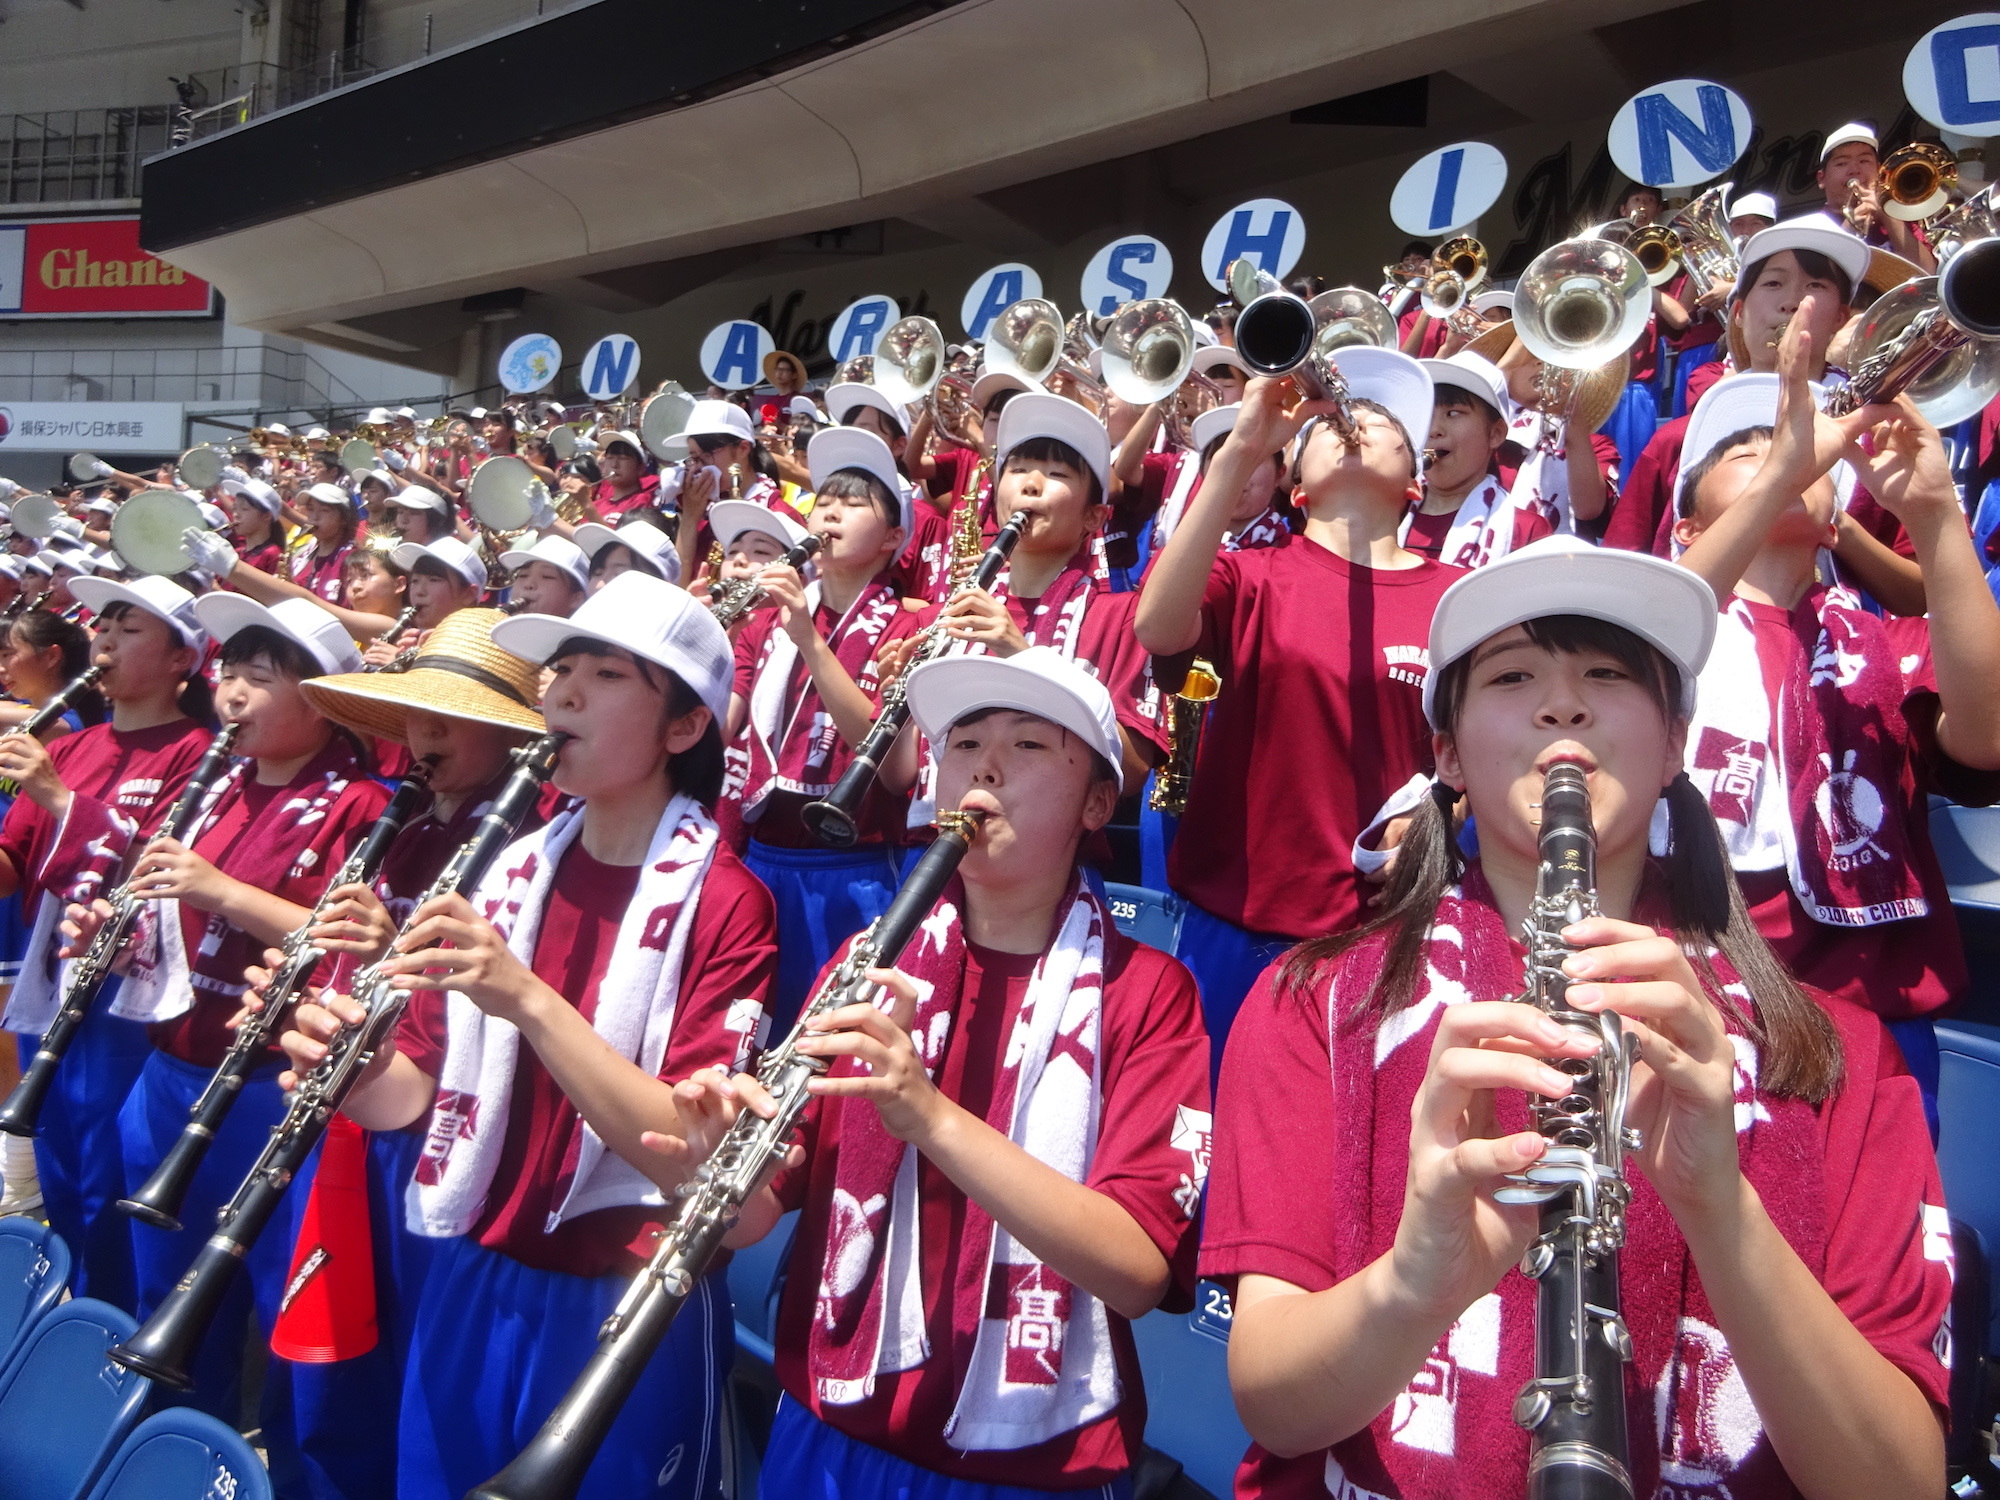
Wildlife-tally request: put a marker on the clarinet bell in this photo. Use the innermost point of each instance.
(23, 1110)
(831, 825)
(158, 1201)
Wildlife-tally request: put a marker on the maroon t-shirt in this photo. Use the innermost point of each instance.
(1321, 717)
(1272, 1210)
(731, 954)
(883, 813)
(320, 571)
(268, 558)
(1649, 490)
(1151, 1157)
(137, 773)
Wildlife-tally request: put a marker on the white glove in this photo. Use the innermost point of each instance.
(211, 553)
(543, 515)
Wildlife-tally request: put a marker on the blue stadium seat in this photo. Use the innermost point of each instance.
(183, 1454)
(1969, 1130)
(1967, 840)
(1986, 518)
(34, 1269)
(1146, 916)
(756, 1277)
(1190, 1415)
(64, 1407)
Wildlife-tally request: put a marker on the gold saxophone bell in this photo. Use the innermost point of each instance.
(1186, 711)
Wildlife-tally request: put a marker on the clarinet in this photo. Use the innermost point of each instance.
(401, 661)
(158, 1201)
(735, 600)
(23, 1109)
(832, 819)
(1574, 1408)
(53, 710)
(165, 1345)
(554, 1463)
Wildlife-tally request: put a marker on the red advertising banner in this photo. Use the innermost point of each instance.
(92, 268)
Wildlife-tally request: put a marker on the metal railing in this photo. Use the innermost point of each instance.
(251, 373)
(79, 155)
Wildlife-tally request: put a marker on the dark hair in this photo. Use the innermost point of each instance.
(1691, 479)
(1413, 247)
(1446, 392)
(696, 771)
(640, 562)
(1100, 768)
(1048, 450)
(585, 467)
(40, 629)
(284, 653)
(859, 484)
(1222, 316)
(436, 567)
(1812, 262)
(1306, 286)
(997, 402)
(196, 698)
(1800, 1048)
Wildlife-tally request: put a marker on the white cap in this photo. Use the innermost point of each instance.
(1212, 424)
(378, 416)
(316, 629)
(558, 552)
(256, 492)
(723, 419)
(1471, 372)
(67, 529)
(847, 398)
(1039, 414)
(1484, 302)
(329, 494)
(11, 566)
(838, 448)
(647, 616)
(990, 383)
(643, 537)
(415, 497)
(9, 489)
(387, 480)
(1732, 405)
(81, 560)
(804, 406)
(448, 550)
(1763, 205)
(1854, 130)
(214, 515)
(157, 596)
(729, 519)
(312, 433)
(1812, 232)
(103, 503)
(608, 436)
(1395, 380)
(1659, 601)
(407, 413)
(279, 428)
(1039, 681)
(1214, 357)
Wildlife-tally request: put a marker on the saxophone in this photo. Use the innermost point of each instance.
(1574, 1408)
(1186, 710)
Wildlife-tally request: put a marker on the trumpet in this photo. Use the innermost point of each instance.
(1465, 257)
(735, 600)
(1279, 333)
(1850, 210)
(1445, 298)
(1581, 303)
(913, 366)
(1936, 337)
(1915, 183)
(1659, 252)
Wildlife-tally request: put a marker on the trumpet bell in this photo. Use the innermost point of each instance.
(1445, 292)
(200, 468)
(1344, 316)
(1274, 333)
(1026, 339)
(909, 359)
(502, 492)
(1464, 255)
(1582, 303)
(1969, 288)
(663, 424)
(87, 468)
(1659, 251)
(35, 516)
(1916, 181)
(1147, 351)
(147, 529)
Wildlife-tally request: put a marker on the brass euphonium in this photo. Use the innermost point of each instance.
(1659, 251)
(1708, 249)
(1935, 337)
(1915, 182)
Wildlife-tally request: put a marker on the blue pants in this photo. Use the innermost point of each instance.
(1156, 839)
(79, 1155)
(1225, 960)
(345, 1413)
(824, 897)
(1690, 360)
(1632, 422)
(809, 1459)
(498, 1344)
(149, 1124)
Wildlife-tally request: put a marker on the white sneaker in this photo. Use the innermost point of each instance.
(20, 1184)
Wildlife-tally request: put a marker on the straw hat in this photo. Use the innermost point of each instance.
(458, 672)
(1597, 393)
